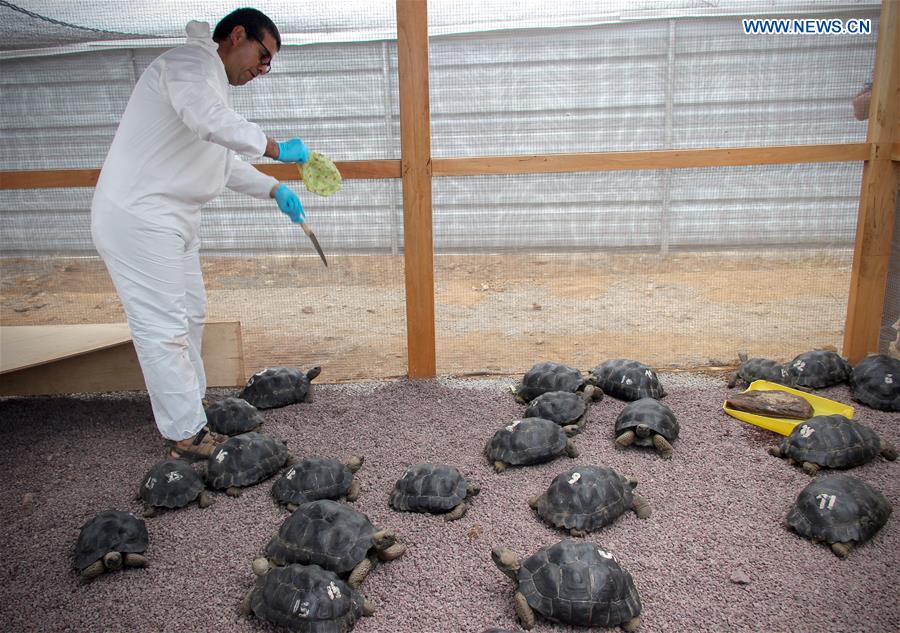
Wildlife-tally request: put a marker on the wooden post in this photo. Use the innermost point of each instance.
(415, 167)
(878, 195)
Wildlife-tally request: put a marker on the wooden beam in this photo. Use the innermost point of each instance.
(661, 159)
(415, 153)
(878, 196)
(53, 178)
(109, 363)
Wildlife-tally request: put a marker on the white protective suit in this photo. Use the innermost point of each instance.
(175, 150)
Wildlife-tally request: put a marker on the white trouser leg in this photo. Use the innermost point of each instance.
(195, 303)
(157, 276)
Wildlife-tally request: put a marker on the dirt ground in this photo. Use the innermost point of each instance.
(494, 314)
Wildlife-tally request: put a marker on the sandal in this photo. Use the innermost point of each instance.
(201, 447)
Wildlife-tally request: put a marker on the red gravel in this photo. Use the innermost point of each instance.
(718, 508)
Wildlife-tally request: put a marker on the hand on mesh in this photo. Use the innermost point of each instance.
(293, 151)
(290, 204)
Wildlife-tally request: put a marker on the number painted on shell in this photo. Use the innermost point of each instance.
(826, 501)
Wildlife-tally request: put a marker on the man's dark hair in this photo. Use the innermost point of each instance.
(253, 21)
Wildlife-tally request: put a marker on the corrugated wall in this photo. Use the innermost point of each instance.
(657, 84)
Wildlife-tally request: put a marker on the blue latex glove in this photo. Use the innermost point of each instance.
(290, 204)
(293, 151)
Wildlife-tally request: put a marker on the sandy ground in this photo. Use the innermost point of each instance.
(495, 314)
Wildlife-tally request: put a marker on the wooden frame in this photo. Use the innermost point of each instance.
(878, 195)
(880, 154)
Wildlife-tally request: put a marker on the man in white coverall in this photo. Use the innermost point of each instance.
(175, 150)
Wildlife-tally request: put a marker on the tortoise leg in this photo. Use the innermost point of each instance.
(233, 491)
(112, 561)
(292, 506)
(368, 608)
(632, 624)
(571, 451)
(640, 507)
(577, 533)
(810, 468)
(353, 493)
(626, 439)
(525, 613)
(246, 606)
(92, 571)
(775, 451)
(260, 566)
(457, 513)
(888, 451)
(841, 550)
(732, 380)
(360, 572)
(204, 500)
(662, 445)
(134, 560)
(355, 463)
(499, 466)
(393, 552)
(309, 394)
(149, 512)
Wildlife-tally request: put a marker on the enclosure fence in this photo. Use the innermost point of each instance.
(657, 185)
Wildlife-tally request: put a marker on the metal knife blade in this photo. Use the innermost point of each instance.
(315, 242)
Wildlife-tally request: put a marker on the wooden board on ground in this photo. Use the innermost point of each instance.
(52, 359)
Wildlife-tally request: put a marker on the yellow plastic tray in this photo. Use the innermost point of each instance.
(784, 426)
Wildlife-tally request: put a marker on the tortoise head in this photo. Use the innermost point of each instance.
(642, 430)
(383, 539)
(507, 560)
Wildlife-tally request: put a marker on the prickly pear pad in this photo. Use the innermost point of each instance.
(320, 175)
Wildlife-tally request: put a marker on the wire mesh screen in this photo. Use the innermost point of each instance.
(678, 267)
(651, 84)
(889, 341)
(583, 267)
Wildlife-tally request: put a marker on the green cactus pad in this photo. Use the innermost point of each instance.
(320, 175)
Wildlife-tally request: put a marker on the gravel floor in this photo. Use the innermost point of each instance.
(718, 508)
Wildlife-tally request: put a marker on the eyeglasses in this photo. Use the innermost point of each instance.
(266, 58)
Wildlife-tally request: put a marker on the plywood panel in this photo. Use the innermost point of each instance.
(115, 367)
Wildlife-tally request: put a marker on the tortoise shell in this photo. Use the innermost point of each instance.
(875, 382)
(527, 441)
(306, 599)
(233, 416)
(576, 582)
(244, 460)
(562, 407)
(110, 531)
(832, 441)
(754, 369)
(434, 488)
(585, 498)
(627, 380)
(171, 483)
(325, 533)
(818, 369)
(838, 508)
(651, 412)
(547, 376)
(313, 479)
(278, 387)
